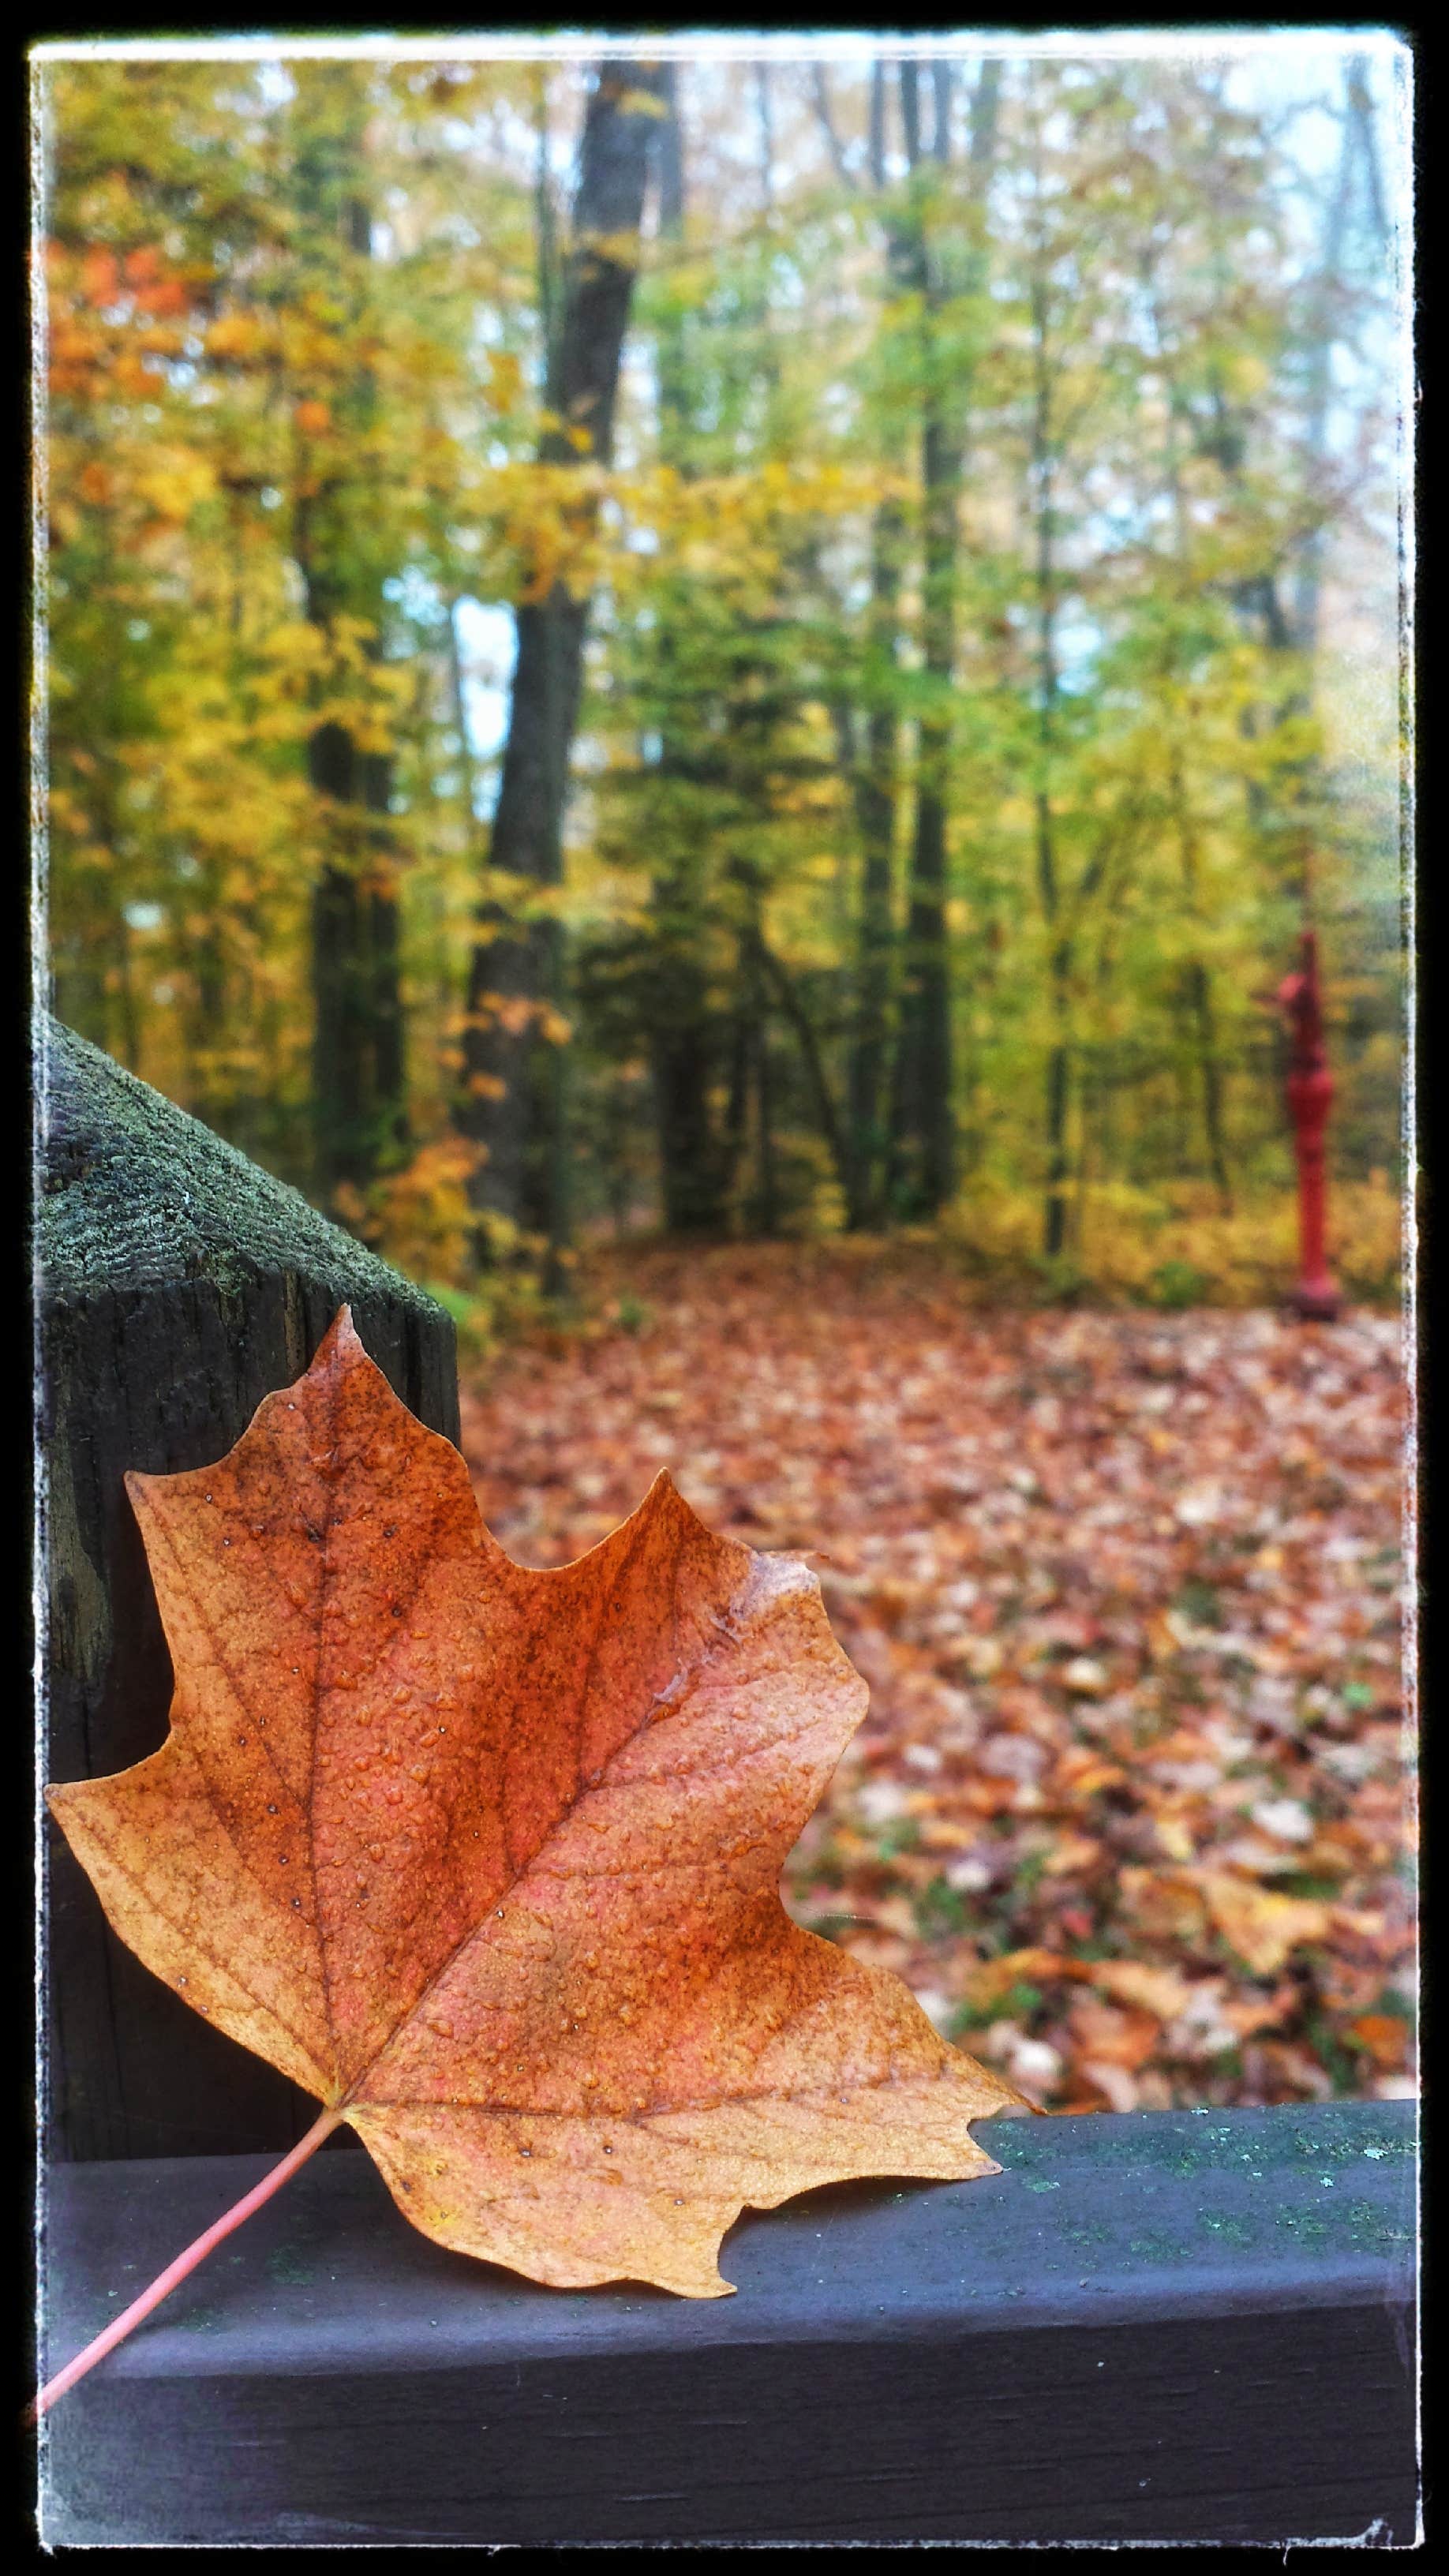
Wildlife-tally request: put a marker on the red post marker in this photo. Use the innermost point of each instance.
(1310, 1090)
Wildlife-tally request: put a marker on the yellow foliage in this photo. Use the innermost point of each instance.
(620, 249)
(235, 335)
(421, 1217)
(174, 482)
(505, 379)
(1175, 1245)
(338, 427)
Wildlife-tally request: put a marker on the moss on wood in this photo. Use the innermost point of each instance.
(137, 1194)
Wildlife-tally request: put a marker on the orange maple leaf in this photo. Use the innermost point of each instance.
(488, 1859)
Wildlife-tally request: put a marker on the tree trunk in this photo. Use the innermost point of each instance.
(1198, 981)
(872, 1120)
(827, 1117)
(741, 1057)
(764, 1210)
(1210, 1077)
(1198, 993)
(1356, 149)
(511, 1102)
(682, 1038)
(357, 1043)
(927, 1151)
(875, 804)
(1043, 461)
(1058, 1072)
(358, 1088)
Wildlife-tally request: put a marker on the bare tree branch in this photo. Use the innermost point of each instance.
(821, 94)
(877, 123)
(943, 76)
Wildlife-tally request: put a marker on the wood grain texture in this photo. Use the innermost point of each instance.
(178, 1285)
(1157, 2327)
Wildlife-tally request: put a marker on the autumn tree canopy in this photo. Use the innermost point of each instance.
(976, 588)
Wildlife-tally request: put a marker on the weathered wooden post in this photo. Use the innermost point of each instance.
(1310, 1093)
(178, 1285)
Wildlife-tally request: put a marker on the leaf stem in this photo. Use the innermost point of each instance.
(166, 2281)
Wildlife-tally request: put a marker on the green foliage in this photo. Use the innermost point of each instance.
(1201, 1603)
(633, 1315)
(941, 1910)
(1019, 2004)
(1176, 1284)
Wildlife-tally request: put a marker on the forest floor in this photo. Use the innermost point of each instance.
(1132, 1809)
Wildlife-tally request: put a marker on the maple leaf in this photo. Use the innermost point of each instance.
(488, 1858)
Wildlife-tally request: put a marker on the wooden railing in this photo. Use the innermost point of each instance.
(1186, 2326)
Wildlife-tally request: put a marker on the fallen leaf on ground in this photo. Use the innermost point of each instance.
(488, 1859)
(1155, 1990)
(1261, 1926)
(1111, 2035)
(989, 1513)
(1116, 2084)
(989, 1984)
(1385, 2038)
